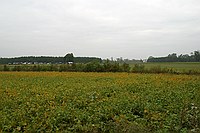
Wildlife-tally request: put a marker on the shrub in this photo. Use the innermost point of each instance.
(138, 68)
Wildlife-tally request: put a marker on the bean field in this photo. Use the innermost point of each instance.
(99, 102)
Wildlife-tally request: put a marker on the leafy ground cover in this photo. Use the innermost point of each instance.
(98, 102)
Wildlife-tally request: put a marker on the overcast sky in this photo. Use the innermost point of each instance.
(134, 29)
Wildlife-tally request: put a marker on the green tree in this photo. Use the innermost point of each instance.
(107, 66)
(126, 67)
(69, 58)
(197, 55)
(172, 57)
(114, 67)
(93, 67)
(138, 68)
(5, 68)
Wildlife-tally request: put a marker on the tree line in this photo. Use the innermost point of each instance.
(48, 60)
(105, 66)
(193, 57)
(95, 66)
(68, 58)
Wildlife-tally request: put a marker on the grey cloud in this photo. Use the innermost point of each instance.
(105, 28)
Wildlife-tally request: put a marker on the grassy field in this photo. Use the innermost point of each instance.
(98, 102)
(179, 66)
(161, 67)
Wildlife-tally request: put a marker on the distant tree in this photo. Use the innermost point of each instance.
(138, 68)
(194, 57)
(107, 66)
(120, 60)
(86, 59)
(69, 58)
(5, 68)
(172, 57)
(197, 55)
(48, 60)
(126, 67)
(114, 67)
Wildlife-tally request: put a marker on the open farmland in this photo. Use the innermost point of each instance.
(179, 66)
(98, 102)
